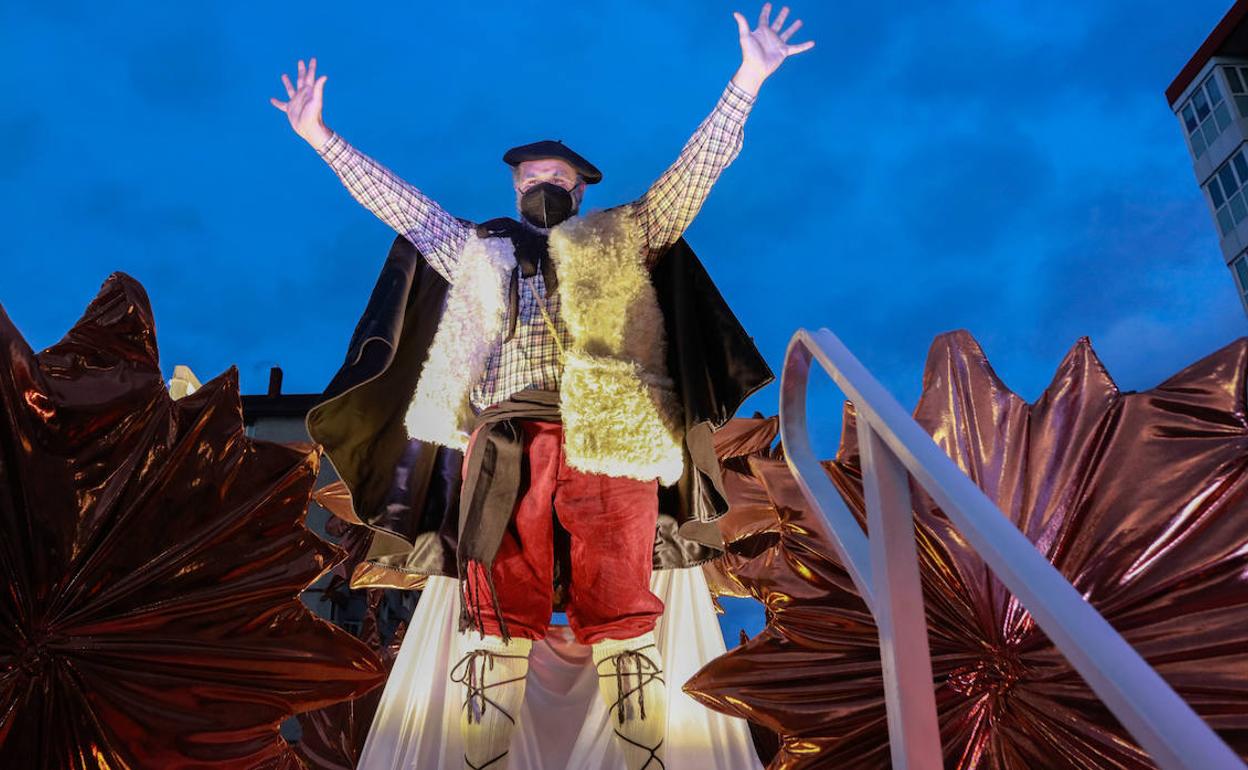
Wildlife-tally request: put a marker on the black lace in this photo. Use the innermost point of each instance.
(646, 672)
(622, 673)
(470, 672)
(654, 752)
(471, 766)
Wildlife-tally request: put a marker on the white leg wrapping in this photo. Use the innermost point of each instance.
(493, 674)
(630, 681)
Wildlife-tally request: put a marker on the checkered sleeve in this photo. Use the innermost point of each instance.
(669, 206)
(439, 235)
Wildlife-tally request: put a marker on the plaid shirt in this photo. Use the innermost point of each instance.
(530, 359)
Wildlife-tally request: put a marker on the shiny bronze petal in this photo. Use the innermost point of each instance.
(353, 537)
(152, 557)
(743, 437)
(751, 525)
(356, 539)
(336, 498)
(333, 737)
(1140, 499)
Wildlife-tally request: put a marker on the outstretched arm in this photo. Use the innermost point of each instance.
(669, 206)
(437, 234)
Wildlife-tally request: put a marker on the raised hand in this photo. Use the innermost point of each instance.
(764, 48)
(304, 106)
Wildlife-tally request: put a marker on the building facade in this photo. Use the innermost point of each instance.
(1209, 97)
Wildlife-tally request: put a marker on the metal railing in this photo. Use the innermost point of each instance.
(884, 566)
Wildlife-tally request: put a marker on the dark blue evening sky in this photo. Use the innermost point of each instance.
(1011, 168)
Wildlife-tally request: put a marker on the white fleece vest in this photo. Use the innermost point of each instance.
(620, 413)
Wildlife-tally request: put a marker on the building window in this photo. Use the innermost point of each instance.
(1205, 115)
(1237, 79)
(1240, 269)
(1226, 192)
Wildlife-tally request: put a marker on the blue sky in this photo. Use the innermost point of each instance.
(1010, 168)
(1000, 167)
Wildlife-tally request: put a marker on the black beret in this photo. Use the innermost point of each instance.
(553, 149)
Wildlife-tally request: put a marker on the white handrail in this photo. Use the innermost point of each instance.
(1163, 724)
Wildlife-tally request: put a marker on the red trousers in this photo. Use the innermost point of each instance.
(611, 522)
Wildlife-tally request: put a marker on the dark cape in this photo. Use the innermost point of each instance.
(407, 491)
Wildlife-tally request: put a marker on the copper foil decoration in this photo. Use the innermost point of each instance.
(1139, 499)
(353, 537)
(151, 558)
(334, 736)
(750, 526)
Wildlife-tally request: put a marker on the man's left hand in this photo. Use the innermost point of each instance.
(764, 48)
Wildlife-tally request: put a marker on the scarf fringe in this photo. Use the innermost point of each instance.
(471, 604)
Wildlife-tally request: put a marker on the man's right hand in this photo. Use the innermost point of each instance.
(304, 106)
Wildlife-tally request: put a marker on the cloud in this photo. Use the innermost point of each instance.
(1142, 350)
(1130, 250)
(965, 194)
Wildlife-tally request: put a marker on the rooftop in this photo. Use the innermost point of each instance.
(275, 403)
(1229, 38)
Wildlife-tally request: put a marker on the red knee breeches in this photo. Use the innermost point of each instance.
(611, 522)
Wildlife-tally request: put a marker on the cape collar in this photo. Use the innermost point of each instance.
(532, 248)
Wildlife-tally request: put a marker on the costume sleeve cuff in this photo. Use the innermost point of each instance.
(334, 150)
(736, 102)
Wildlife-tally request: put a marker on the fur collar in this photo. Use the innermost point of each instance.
(471, 322)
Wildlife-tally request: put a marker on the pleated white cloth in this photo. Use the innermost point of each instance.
(563, 723)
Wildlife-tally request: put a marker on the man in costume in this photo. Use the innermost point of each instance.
(568, 369)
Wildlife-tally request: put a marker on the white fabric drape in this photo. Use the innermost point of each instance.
(563, 723)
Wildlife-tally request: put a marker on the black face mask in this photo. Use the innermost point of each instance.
(546, 204)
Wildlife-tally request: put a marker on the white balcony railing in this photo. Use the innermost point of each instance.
(884, 567)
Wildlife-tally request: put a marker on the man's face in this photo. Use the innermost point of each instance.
(558, 172)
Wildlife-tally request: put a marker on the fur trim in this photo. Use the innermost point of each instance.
(475, 305)
(613, 421)
(619, 408)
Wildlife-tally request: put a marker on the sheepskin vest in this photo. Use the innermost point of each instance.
(620, 413)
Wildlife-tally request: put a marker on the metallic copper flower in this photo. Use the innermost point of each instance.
(750, 526)
(1140, 499)
(334, 736)
(151, 558)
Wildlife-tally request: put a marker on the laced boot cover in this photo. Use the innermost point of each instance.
(630, 680)
(492, 673)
